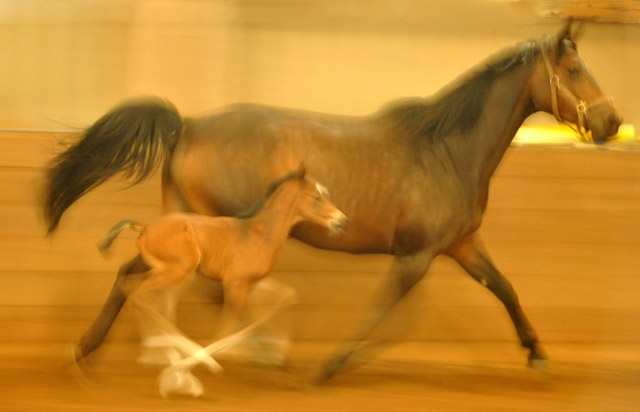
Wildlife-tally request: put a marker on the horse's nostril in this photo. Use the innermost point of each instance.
(614, 123)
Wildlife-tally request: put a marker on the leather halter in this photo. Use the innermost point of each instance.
(582, 107)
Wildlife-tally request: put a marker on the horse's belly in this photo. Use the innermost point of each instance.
(355, 239)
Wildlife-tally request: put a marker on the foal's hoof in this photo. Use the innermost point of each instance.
(179, 382)
(204, 358)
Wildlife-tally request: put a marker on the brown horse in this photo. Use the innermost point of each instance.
(413, 178)
(237, 251)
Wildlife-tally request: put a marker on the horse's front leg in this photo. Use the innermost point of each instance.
(474, 259)
(404, 273)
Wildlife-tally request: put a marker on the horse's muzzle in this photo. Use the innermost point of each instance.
(604, 126)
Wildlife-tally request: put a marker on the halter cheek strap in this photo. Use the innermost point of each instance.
(582, 107)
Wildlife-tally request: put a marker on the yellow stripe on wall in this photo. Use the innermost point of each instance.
(560, 134)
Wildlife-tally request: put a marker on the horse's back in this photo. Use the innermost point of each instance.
(228, 158)
(247, 120)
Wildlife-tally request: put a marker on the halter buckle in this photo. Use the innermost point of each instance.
(581, 107)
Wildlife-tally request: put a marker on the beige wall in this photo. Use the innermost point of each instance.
(66, 63)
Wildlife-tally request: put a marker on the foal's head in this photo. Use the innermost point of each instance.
(313, 203)
(565, 86)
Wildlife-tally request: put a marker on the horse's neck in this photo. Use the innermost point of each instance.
(507, 105)
(276, 217)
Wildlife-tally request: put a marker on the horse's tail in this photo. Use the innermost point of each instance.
(133, 138)
(107, 241)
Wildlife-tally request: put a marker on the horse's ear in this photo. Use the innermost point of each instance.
(568, 36)
(578, 31)
(302, 170)
(572, 30)
(566, 31)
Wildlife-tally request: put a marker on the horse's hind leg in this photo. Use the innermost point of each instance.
(405, 272)
(96, 334)
(473, 258)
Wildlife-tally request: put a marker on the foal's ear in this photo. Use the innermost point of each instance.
(302, 170)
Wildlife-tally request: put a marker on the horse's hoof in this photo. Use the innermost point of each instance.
(179, 382)
(330, 368)
(72, 361)
(270, 352)
(71, 355)
(538, 364)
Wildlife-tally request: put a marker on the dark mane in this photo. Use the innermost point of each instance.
(270, 190)
(459, 105)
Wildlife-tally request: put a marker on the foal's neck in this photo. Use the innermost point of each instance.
(274, 220)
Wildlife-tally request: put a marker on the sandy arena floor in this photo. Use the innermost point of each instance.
(409, 377)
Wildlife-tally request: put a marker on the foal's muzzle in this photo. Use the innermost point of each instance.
(338, 222)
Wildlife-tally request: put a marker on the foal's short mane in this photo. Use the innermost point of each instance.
(460, 104)
(270, 190)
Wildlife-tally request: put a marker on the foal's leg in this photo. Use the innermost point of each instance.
(269, 343)
(271, 339)
(173, 379)
(235, 297)
(405, 272)
(472, 256)
(155, 286)
(158, 347)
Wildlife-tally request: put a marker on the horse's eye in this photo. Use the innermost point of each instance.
(574, 71)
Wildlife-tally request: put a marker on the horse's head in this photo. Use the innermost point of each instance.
(316, 206)
(565, 87)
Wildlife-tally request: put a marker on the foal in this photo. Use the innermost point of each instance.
(237, 251)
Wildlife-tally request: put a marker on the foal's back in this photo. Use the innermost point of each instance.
(187, 242)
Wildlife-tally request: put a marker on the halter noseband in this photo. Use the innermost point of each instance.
(582, 107)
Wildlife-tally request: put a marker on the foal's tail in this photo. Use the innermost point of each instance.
(107, 241)
(133, 138)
